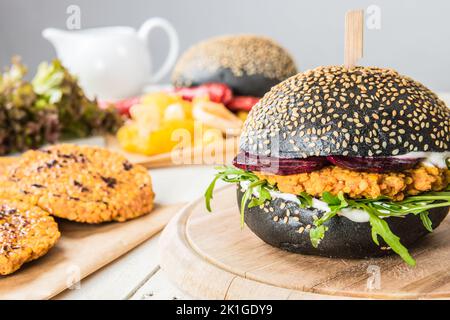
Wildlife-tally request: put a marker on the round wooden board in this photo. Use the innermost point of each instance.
(208, 255)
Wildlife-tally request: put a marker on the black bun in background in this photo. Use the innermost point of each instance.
(245, 85)
(362, 111)
(249, 64)
(343, 239)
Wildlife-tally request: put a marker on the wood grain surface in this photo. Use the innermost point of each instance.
(354, 36)
(208, 255)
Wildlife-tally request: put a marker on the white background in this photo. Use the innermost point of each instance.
(414, 36)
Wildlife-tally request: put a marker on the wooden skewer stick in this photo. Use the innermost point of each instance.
(354, 26)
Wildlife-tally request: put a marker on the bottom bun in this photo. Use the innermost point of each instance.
(284, 224)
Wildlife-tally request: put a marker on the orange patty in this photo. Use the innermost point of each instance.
(362, 184)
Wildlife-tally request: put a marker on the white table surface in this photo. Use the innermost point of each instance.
(136, 275)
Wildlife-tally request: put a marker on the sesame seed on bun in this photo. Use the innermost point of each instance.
(249, 64)
(333, 110)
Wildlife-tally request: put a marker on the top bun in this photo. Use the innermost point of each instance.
(249, 64)
(333, 110)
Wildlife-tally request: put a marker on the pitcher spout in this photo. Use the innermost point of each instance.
(58, 38)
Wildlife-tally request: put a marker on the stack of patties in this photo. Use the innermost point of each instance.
(78, 183)
(344, 163)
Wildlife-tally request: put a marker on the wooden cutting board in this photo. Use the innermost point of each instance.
(81, 250)
(208, 256)
(213, 154)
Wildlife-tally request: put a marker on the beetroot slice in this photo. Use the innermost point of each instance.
(283, 166)
(249, 162)
(374, 164)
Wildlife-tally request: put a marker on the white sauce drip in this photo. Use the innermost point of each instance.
(432, 159)
(355, 215)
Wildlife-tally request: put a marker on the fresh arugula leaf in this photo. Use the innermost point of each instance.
(252, 188)
(264, 195)
(317, 234)
(305, 199)
(343, 201)
(227, 174)
(326, 216)
(247, 194)
(381, 228)
(210, 190)
(424, 216)
(336, 204)
(330, 199)
(374, 235)
(256, 194)
(381, 208)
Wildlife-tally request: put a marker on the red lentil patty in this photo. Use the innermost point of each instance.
(26, 233)
(395, 185)
(80, 183)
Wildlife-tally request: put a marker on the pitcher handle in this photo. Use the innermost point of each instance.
(144, 32)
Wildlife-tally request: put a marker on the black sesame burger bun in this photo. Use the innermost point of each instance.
(250, 65)
(332, 110)
(344, 238)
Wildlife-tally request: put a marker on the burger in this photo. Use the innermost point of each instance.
(236, 70)
(344, 163)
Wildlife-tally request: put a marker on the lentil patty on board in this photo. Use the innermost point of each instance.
(26, 233)
(81, 183)
(344, 162)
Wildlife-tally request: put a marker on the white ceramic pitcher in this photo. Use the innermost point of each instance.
(113, 62)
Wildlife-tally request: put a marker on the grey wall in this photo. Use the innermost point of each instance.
(414, 36)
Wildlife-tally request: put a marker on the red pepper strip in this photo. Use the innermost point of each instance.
(244, 103)
(123, 106)
(219, 92)
(216, 92)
